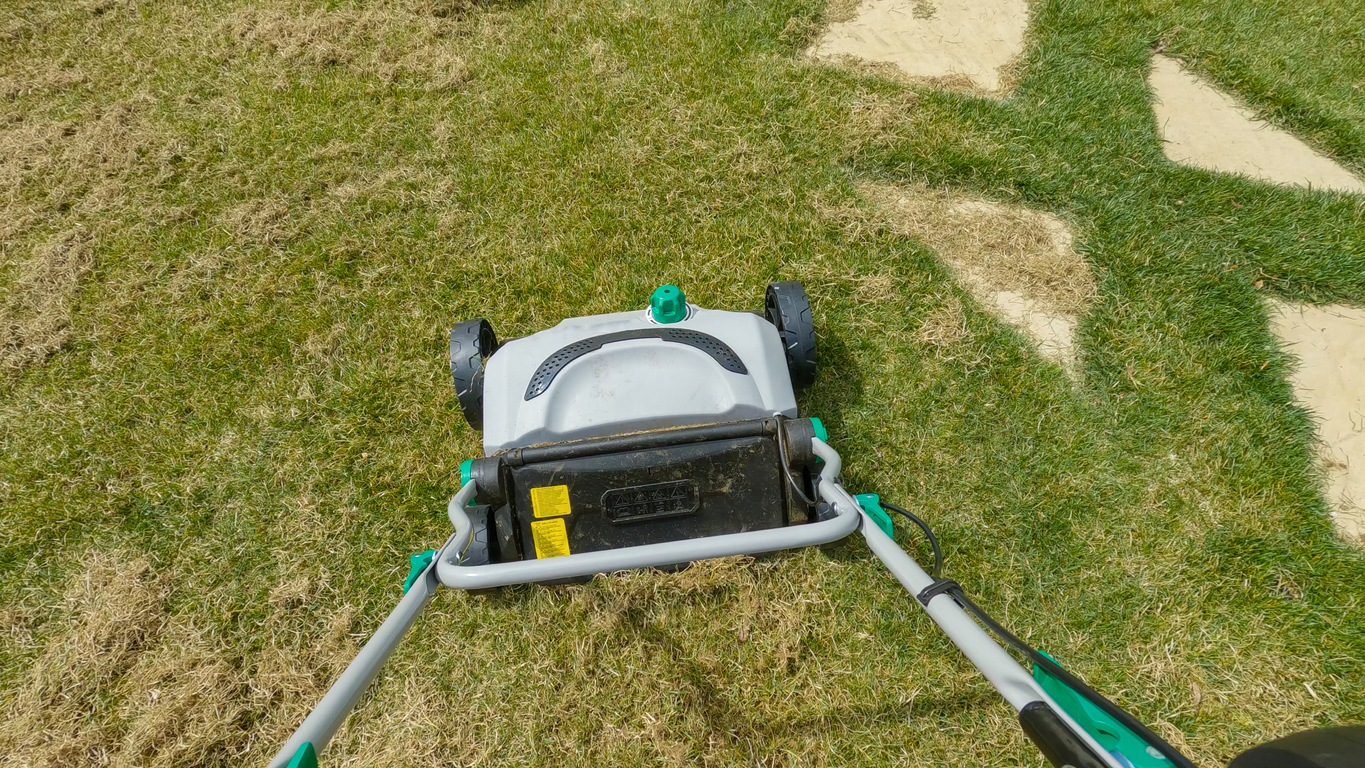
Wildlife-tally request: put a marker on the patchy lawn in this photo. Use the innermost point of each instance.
(232, 238)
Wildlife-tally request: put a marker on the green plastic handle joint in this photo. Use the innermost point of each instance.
(417, 563)
(872, 505)
(304, 757)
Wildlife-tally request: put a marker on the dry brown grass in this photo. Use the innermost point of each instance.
(992, 247)
(73, 161)
(35, 311)
(262, 221)
(879, 117)
(115, 610)
(614, 673)
(945, 326)
(124, 682)
(362, 40)
(41, 79)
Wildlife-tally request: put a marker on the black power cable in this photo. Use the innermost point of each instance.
(928, 533)
(1075, 683)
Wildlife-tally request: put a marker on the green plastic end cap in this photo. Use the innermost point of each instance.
(305, 757)
(467, 474)
(417, 563)
(668, 304)
(872, 505)
(823, 434)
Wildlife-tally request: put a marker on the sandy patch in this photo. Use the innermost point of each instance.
(1206, 128)
(951, 41)
(1015, 260)
(1329, 342)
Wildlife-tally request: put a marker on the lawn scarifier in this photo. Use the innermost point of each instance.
(660, 437)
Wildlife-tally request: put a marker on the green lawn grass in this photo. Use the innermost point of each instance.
(209, 489)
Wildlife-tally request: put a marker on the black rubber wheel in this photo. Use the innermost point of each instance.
(504, 536)
(786, 307)
(1340, 747)
(471, 343)
(479, 551)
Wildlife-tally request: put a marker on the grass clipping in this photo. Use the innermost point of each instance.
(1016, 261)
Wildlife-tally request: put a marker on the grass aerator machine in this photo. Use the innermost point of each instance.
(670, 434)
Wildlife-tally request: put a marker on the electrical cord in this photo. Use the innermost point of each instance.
(1056, 670)
(1073, 682)
(928, 534)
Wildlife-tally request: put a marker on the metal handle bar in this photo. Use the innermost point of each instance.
(452, 574)
(1015, 684)
(331, 712)
(1003, 672)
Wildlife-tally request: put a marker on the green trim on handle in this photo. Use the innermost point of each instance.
(417, 563)
(872, 505)
(467, 474)
(304, 757)
(1105, 730)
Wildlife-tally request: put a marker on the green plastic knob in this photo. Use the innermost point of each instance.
(668, 304)
(466, 471)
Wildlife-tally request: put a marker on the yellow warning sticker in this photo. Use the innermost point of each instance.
(550, 501)
(552, 539)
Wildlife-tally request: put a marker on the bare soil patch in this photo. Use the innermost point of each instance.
(1206, 128)
(962, 44)
(1329, 342)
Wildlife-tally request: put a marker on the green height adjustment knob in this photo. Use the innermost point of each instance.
(668, 304)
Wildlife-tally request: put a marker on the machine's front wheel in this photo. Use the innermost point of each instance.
(471, 342)
(786, 307)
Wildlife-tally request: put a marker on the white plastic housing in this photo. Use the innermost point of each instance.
(627, 386)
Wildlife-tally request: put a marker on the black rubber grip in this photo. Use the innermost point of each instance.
(717, 349)
(1058, 744)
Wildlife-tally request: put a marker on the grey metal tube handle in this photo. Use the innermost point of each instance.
(327, 717)
(452, 574)
(1012, 681)
(322, 723)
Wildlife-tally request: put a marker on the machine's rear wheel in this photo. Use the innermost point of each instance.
(786, 307)
(471, 342)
